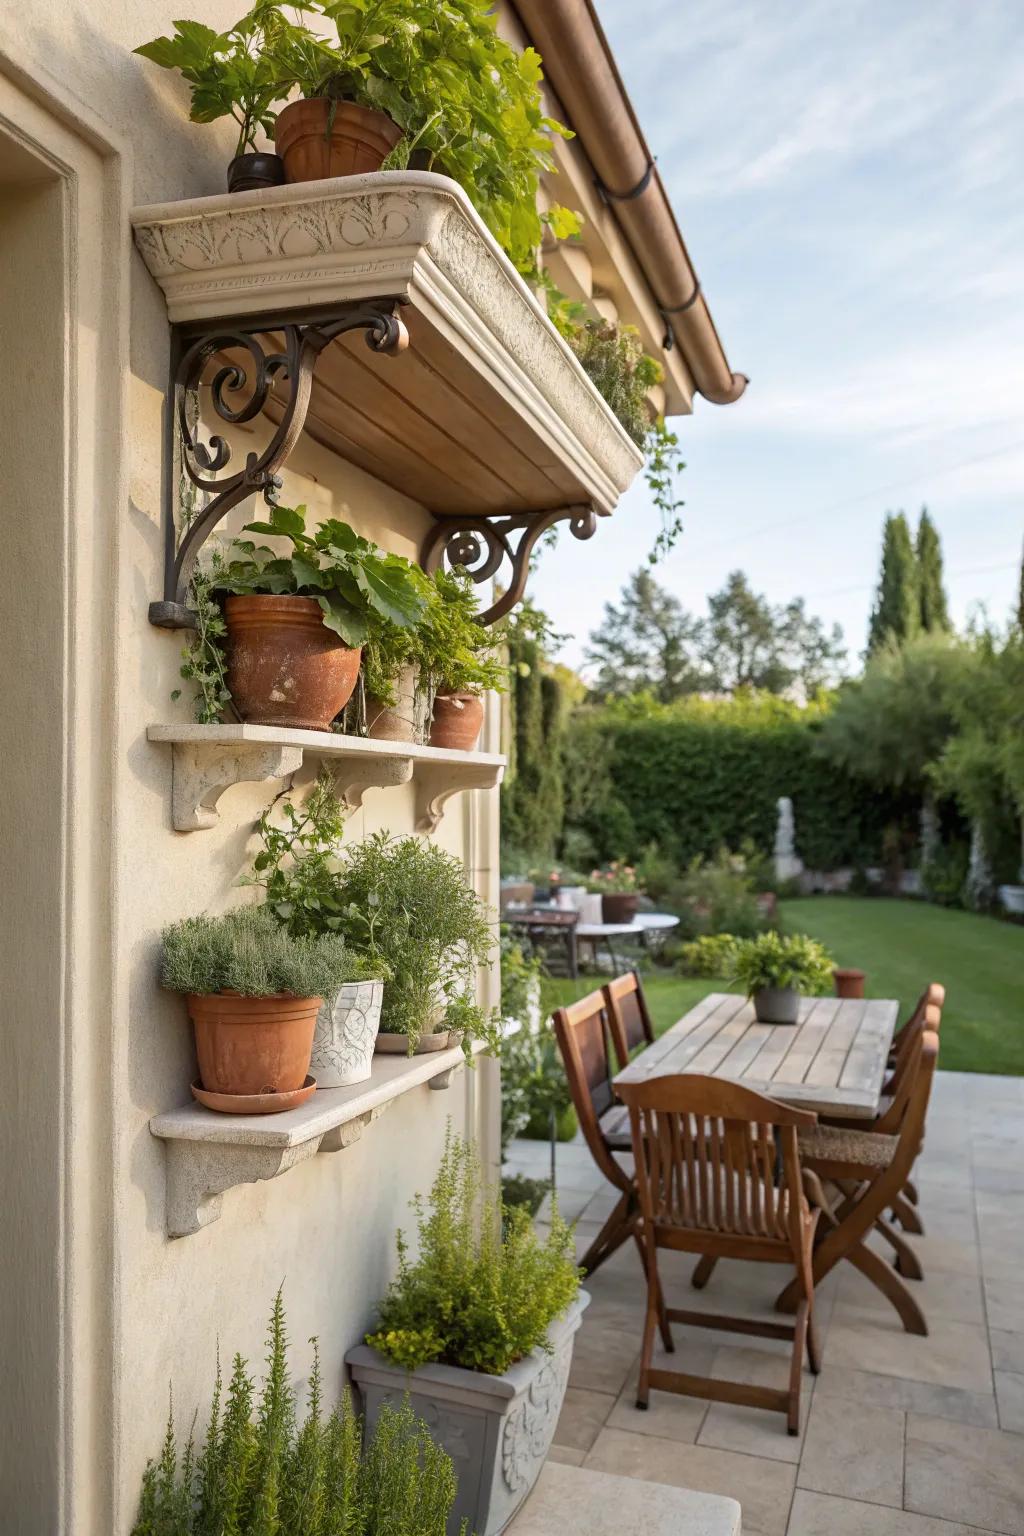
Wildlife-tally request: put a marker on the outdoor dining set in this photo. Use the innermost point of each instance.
(727, 1138)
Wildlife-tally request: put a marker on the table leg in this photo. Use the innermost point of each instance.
(573, 954)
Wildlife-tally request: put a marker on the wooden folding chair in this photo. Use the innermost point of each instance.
(875, 1168)
(629, 1018)
(718, 1174)
(581, 1030)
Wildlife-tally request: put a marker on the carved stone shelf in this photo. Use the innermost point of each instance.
(467, 399)
(209, 759)
(208, 1154)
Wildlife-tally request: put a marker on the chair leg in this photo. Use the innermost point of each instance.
(907, 1216)
(619, 1226)
(643, 1386)
(702, 1272)
(907, 1262)
(891, 1286)
(796, 1366)
(910, 1191)
(813, 1344)
(663, 1322)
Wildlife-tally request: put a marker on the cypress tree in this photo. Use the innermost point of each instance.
(896, 615)
(1020, 598)
(934, 609)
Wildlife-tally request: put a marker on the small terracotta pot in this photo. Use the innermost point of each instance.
(849, 983)
(284, 666)
(619, 906)
(263, 169)
(253, 1045)
(458, 721)
(313, 147)
(398, 721)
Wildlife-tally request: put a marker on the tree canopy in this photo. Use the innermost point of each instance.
(896, 616)
(933, 606)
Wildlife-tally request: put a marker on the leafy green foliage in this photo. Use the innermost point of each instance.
(717, 896)
(533, 791)
(622, 372)
(203, 662)
(484, 1287)
(297, 864)
(266, 1475)
(518, 1189)
(356, 584)
(712, 955)
(934, 607)
(661, 471)
(534, 1087)
(896, 616)
(773, 960)
(232, 73)
(458, 654)
(248, 951)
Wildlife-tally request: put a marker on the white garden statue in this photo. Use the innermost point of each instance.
(788, 866)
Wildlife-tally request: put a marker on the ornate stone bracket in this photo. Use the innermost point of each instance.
(481, 546)
(208, 759)
(208, 353)
(208, 1154)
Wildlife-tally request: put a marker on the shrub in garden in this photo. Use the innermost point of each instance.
(774, 960)
(713, 955)
(261, 1473)
(484, 1287)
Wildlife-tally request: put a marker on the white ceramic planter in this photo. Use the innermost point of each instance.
(346, 1035)
(497, 1429)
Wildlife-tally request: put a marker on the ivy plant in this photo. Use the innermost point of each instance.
(356, 584)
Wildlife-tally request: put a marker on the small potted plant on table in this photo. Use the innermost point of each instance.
(478, 1330)
(618, 886)
(296, 623)
(775, 971)
(253, 994)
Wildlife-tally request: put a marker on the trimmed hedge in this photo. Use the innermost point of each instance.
(704, 774)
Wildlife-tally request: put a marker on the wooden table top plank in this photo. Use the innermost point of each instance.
(673, 1051)
(833, 1060)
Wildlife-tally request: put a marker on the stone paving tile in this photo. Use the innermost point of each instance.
(566, 1454)
(669, 1416)
(602, 1359)
(942, 1293)
(582, 1418)
(1010, 1398)
(764, 1488)
(1007, 1350)
(820, 1514)
(755, 1431)
(1004, 1302)
(953, 1354)
(854, 1450)
(966, 1474)
(919, 1396)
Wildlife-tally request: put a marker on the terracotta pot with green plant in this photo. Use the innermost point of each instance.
(618, 886)
(460, 662)
(478, 1330)
(296, 623)
(264, 1468)
(253, 994)
(776, 971)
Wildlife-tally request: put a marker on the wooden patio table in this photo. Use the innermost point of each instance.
(833, 1060)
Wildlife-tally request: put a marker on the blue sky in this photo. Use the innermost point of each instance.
(848, 181)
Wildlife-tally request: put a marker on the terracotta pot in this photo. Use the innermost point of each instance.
(458, 721)
(619, 906)
(248, 172)
(253, 1044)
(313, 147)
(254, 1103)
(285, 667)
(849, 983)
(398, 721)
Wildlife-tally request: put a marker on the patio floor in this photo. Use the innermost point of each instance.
(901, 1436)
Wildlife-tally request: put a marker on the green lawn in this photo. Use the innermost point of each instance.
(904, 944)
(901, 945)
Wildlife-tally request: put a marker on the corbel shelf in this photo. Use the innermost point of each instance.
(209, 759)
(208, 1153)
(377, 314)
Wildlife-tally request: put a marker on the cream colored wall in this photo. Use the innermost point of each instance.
(119, 1310)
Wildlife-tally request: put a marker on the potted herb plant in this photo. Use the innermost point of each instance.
(261, 1470)
(618, 886)
(775, 971)
(253, 994)
(231, 74)
(297, 868)
(406, 905)
(396, 703)
(478, 1330)
(296, 623)
(460, 662)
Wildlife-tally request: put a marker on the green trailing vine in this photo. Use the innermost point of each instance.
(203, 663)
(663, 466)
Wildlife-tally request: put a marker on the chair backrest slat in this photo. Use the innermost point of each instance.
(581, 1030)
(629, 1017)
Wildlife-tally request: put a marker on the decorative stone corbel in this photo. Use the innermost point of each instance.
(202, 772)
(199, 1172)
(342, 1136)
(436, 783)
(353, 778)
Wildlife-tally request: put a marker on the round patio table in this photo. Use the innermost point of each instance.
(644, 924)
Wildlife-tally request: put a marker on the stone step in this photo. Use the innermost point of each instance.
(570, 1500)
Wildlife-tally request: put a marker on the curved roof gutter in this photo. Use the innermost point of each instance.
(579, 64)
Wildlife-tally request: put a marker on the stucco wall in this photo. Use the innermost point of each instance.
(118, 1311)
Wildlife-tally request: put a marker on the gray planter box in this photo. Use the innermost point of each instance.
(496, 1429)
(776, 1005)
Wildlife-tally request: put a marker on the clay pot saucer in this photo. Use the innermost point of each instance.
(254, 1103)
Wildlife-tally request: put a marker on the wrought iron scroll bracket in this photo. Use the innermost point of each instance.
(482, 545)
(279, 349)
